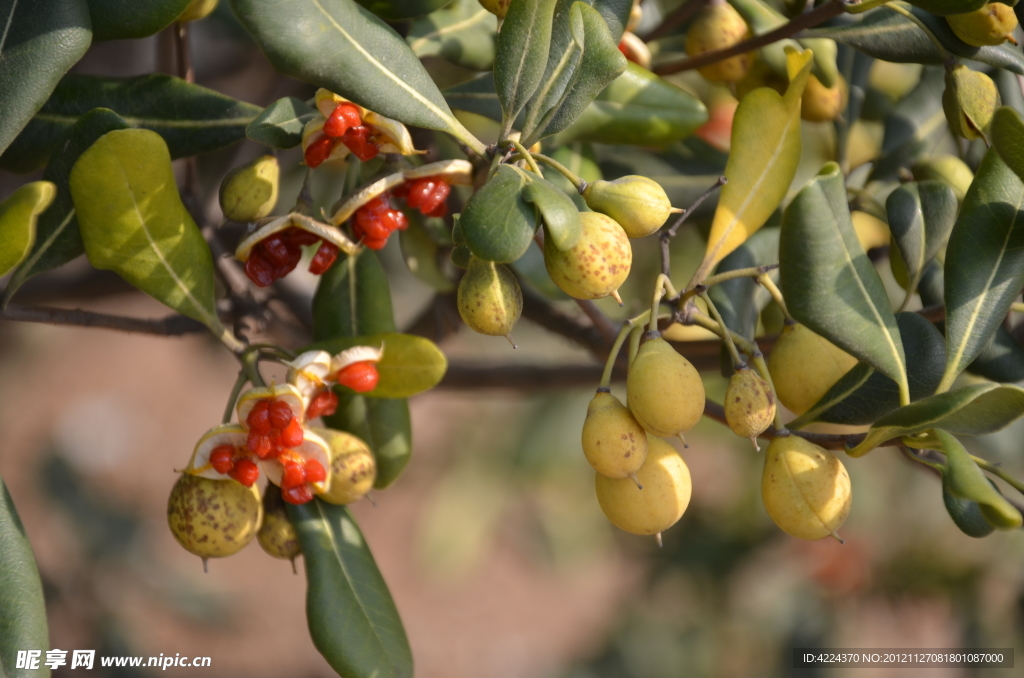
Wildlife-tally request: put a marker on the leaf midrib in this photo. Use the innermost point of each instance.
(451, 28)
(7, 27)
(46, 244)
(64, 119)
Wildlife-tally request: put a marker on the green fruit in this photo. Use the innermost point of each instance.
(966, 514)
(353, 467)
(804, 366)
(718, 26)
(947, 168)
(969, 101)
(660, 504)
(249, 192)
(597, 264)
(820, 103)
(213, 518)
(991, 24)
(637, 203)
(196, 10)
(613, 442)
(749, 404)
(664, 391)
(277, 535)
(489, 299)
(805, 488)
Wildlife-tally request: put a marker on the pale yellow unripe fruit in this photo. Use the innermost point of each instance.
(947, 168)
(718, 26)
(820, 103)
(805, 488)
(353, 467)
(249, 192)
(597, 264)
(613, 442)
(639, 204)
(277, 535)
(660, 504)
(664, 391)
(749, 404)
(990, 25)
(489, 298)
(804, 366)
(196, 10)
(871, 231)
(213, 518)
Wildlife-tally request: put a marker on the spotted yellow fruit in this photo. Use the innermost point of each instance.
(660, 504)
(277, 534)
(613, 442)
(353, 467)
(992, 24)
(213, 518)
(718, 26)
(664, 390)
(749, 404)
(805, 488)
(489, 298)
(597, 264)
(804, 366)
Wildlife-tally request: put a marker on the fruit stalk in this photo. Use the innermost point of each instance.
(609, 364)
(737, 360)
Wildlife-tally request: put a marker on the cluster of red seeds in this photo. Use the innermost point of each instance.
(361, 377)
(344, 126)
(375, 221)
(225, 459)
(429, 195)
(276, 256)
(297, 476)
(273, 433)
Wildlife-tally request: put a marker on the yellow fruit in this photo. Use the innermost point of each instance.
(804, 366)
(871, 231)
(805, 488)
(663, 499)
(820, 103)
(498, 8)
(196, 10)
(947, 168)
(353, 467)
(638, 204)
(490, 300)
(277, 535)
(613, 442)
(213, 518)
(992, 24)
(249, 192)
(597, 264)
(749, 404)
(718, 26)
(663, 390)
(969, 102)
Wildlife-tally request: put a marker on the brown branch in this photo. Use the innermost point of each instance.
(676, 18)
(801, 22)
(603, 324)
(169, 326)
(537, 309)
(439, 320)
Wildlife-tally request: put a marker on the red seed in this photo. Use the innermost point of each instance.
(375, 243)
(315, 472)
(259, 417)
(222, 458)
(436, 198)
(258, 269)
(301, 494)
(319, 150)
(292, 435)
(323, 403)
(343, 117)
(276, 249)
(440, 211)
(419, 190)
(401, 190)
(280, 414)
(259, 444)
(299, 236)
(293, 476)
(360, 377)
(246, 472)
(400, 221)
(358, 141)
(324, 257)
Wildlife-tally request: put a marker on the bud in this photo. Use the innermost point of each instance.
(249, 192)
(970, 100)
(639, 204)
(992, 24)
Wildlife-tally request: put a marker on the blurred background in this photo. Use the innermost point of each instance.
(497, 555)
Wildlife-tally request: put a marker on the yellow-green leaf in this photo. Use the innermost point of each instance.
(763, 162)
(410, 364)
(18, 215)
(133, 222)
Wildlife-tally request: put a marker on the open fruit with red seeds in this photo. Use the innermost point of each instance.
(374, 222)
(344, 127)
(272, 418)
(429, 195)
(313, 373)
(222, 453)
(303, 471)
(274, 248)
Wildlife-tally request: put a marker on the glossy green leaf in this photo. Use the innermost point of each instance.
(39, 41)
(58, 240)
(22, 608)
(921, 217)
(397, 10)
(615, 14)
(498, 223)
(280, 124)
(863, 395)
(18, 216)
(463, 34)
(410, 364)
(984, 267)
(887, 35)
(353, 298)
(522, 54)
(1008, 138)
(383, 424)
(740, 300)
(829, 283)
(352, 619)
(965, 514)
(200, 120)
(965, 480)
(915, 121)
(133, 222)
(125, 19)
(973, 410)
(341, 46)
(1001, 360)
(557, 210)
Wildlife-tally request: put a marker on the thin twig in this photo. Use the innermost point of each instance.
(676, 18)
(169, 326)
(670, 232)
(602, 322)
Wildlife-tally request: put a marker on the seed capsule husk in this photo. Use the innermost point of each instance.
(489, 298)
(597, 264)
(277, 535)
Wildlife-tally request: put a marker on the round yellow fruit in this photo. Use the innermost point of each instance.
(871, 231)
(664, 391)
(277, 535)
(213, 518)
(805, 488)
(353, 467)
(718, 26)
(249, 192)
(597, 264)
(638, 204)
(749, 404)
(804, 366)
(660, 504)
(989, 25)
(820, 103)
(613, 442)
(489, 298)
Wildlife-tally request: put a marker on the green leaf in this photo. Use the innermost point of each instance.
(862, 395)
(199, 120)
(915, 121)
(973, 410)
(397, 10)
(22, 608)
(352, 298)
(280, 124)
(422, 255)
(1001, 360)
(498, 223)
(984, 267)
(410, 364)
(39, 41)
(18, 216)
(383, 424)
(965, 480)
(352, 619)
(557, 210)
(58, 240)
(829, 283)
(522, 54)
(338, 45)
(945, 7)
(476, 96)
(921, 217)
(124, 19)
(463, 34)
(1008, 138)
(740, 300)
(132, 222)
(966, 514)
